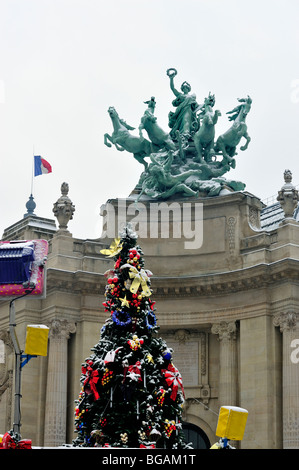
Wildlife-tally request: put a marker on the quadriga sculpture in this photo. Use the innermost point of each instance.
(188, 161)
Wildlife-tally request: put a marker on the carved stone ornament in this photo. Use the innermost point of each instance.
(182, 336)
(288, 196)
(286, 321)
(63, 208)
(225, 330)
(60, 329)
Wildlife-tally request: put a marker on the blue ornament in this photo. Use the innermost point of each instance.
(167, 354)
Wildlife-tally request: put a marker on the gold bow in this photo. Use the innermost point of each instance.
(140, 278)
(114, 249)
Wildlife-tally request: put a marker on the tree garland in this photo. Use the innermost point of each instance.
(115, 317)
(150, 319)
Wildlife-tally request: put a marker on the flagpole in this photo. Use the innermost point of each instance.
(32, 172)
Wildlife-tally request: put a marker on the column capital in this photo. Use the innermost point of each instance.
(61, 329)
(225, 330)
(287, 321)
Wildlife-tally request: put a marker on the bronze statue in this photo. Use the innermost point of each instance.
(188, 161)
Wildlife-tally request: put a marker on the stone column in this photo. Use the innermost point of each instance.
(56, 395)
(289, 327)
(226, 332)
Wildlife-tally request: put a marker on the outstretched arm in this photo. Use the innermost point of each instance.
(171, 74)
(172, 87)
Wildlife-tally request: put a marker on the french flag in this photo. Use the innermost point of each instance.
(41, 166)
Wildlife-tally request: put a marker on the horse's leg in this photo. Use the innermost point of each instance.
(141, 160)
(248, 139)
(121, 149)
(169, 144)
(209, 152)
(221, 146)
(198, 148)
(106, 138)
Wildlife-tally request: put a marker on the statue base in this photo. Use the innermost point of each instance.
(186, 236)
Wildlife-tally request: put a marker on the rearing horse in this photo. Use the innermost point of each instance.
(204, 138)
(123, 140)
(227, 142)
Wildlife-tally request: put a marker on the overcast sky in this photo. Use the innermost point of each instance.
(64, 62)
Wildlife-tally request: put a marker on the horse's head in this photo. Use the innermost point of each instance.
(112, 112)
(246, 105)
(240, 112)
(210, 100)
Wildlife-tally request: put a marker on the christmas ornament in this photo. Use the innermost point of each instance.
(107, 376)
(135, 343)
(102, 422)
(133, 372)
(149, 358)
(142, 435)
(169, 427)
(167, 354)
(110, 356)
(161, 396)
(121, 318)
(115, 248)
(92, 378)
(173, 379)
(124, 302)
(150, 319)
(140, 279)
(124, 438)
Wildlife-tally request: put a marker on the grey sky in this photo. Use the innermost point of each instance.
(64, 62)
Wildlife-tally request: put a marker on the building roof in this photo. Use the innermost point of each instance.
(273, 215)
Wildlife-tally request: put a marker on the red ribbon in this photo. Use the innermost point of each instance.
(8, 442)
(173, 379)
(91, 379)
(142, 446)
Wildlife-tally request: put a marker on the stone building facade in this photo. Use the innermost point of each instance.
(229, 308)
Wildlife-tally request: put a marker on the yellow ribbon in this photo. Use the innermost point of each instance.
(114, 249)
(140, 278)
(150, 358)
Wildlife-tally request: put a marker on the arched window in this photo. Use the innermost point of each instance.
(196, 436)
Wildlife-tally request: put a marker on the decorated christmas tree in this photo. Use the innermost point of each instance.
(132, 394)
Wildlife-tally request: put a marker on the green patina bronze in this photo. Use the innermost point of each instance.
(188, 161)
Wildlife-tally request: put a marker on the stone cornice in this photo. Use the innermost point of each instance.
(255, 277)
(76, 283)
(259, 276)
